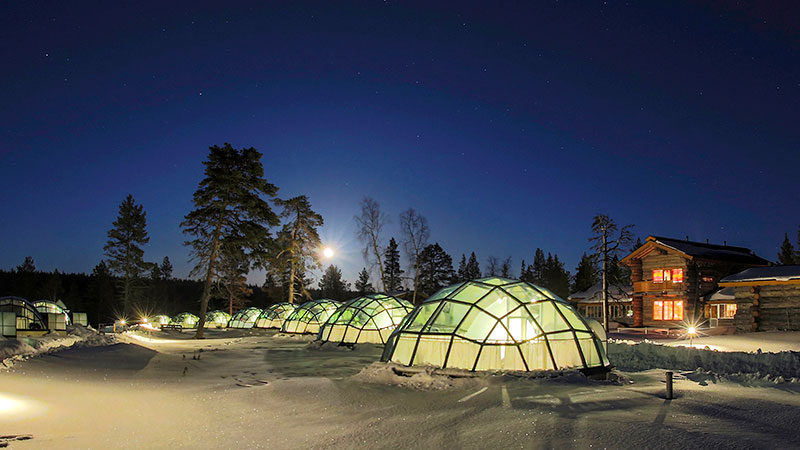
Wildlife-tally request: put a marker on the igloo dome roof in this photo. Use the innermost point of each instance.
(369, 318)
(310, 316)
(273, 316)
(496, 324)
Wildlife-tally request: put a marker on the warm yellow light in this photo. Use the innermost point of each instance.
(327, 252)
(144, 319)
(122, 321)
(691, 330)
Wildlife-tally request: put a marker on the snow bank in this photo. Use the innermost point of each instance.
(78, 336)
(323, 346)
(707, 364)
(295, 337)
(425, 380)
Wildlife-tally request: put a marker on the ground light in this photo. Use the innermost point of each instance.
(15, 408)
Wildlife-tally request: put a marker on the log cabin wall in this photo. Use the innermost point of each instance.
(767, 308)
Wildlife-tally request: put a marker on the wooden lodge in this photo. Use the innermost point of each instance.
(672, 278)
(765, 298)
(620, 303)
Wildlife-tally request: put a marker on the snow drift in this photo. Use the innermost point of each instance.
(706, 363)
(14, 350)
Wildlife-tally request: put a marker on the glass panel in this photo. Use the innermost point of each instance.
(495, 281)
(658, 276)
(471, 293)
(498, 303)
(422, 316)
(572, 317)
(441, 293)
(524, 292)
(677, 311)
(477, 325)
(667, 310)
(658, 310)
(545, 313)
(448, 318)
(677, 275)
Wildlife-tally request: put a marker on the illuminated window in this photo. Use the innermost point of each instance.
(677, 275)
(708, 279)
(662, 275)
(723, 311)
(658, 275)
(668, 310)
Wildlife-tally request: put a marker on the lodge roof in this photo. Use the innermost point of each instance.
(595, 294)
(701, 250)
(774, 273)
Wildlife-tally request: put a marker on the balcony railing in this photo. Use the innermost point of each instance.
(649, 286)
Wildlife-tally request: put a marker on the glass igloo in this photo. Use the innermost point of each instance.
(244, 318)
(217, 319)
(370, 318)
(51, 307)
(310, 316)
(496, 324)
(186, 320)
(160, 320)
(275, 315)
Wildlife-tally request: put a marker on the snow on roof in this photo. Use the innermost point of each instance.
(595, 294)
(712, 251)
(774, 273)
(723, 294)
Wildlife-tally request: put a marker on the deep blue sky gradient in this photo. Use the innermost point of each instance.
(508, 125)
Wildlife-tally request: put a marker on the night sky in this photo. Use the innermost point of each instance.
(508, 127)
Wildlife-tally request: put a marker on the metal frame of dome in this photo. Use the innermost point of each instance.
(245, 318)
(310, 316)
(31, 316)
(471, 325)
(51, 307)
(180, 319)
(275, 315)
(369, 318)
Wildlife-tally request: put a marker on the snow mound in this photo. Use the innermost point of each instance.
(16, 350)
(295, 337)
(707, 364)
(323, 346)
(425, 380)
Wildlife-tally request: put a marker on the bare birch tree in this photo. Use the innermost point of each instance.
(370, 224)
(415, 234)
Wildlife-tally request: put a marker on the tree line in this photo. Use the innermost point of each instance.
(238, 224)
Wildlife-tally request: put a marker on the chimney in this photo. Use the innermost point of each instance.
(687, 238)
(706, 240)
(725, 243)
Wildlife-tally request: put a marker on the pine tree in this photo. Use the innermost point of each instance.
(27, 266)
(299, 239)
(473, 268)
(585, 274)
(537, 268)
(392, 271)
(522, 269)
(505, 268)
(331, 284)
(556, 278)
(231, 286)
(101, 291)
(166, 268)
(125, 253)
(436, 269)
(52, 289)
(363, 286)
(229, 204)
(461, 274)
(787, 255)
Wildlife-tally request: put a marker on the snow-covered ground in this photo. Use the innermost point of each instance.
(255, 389)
